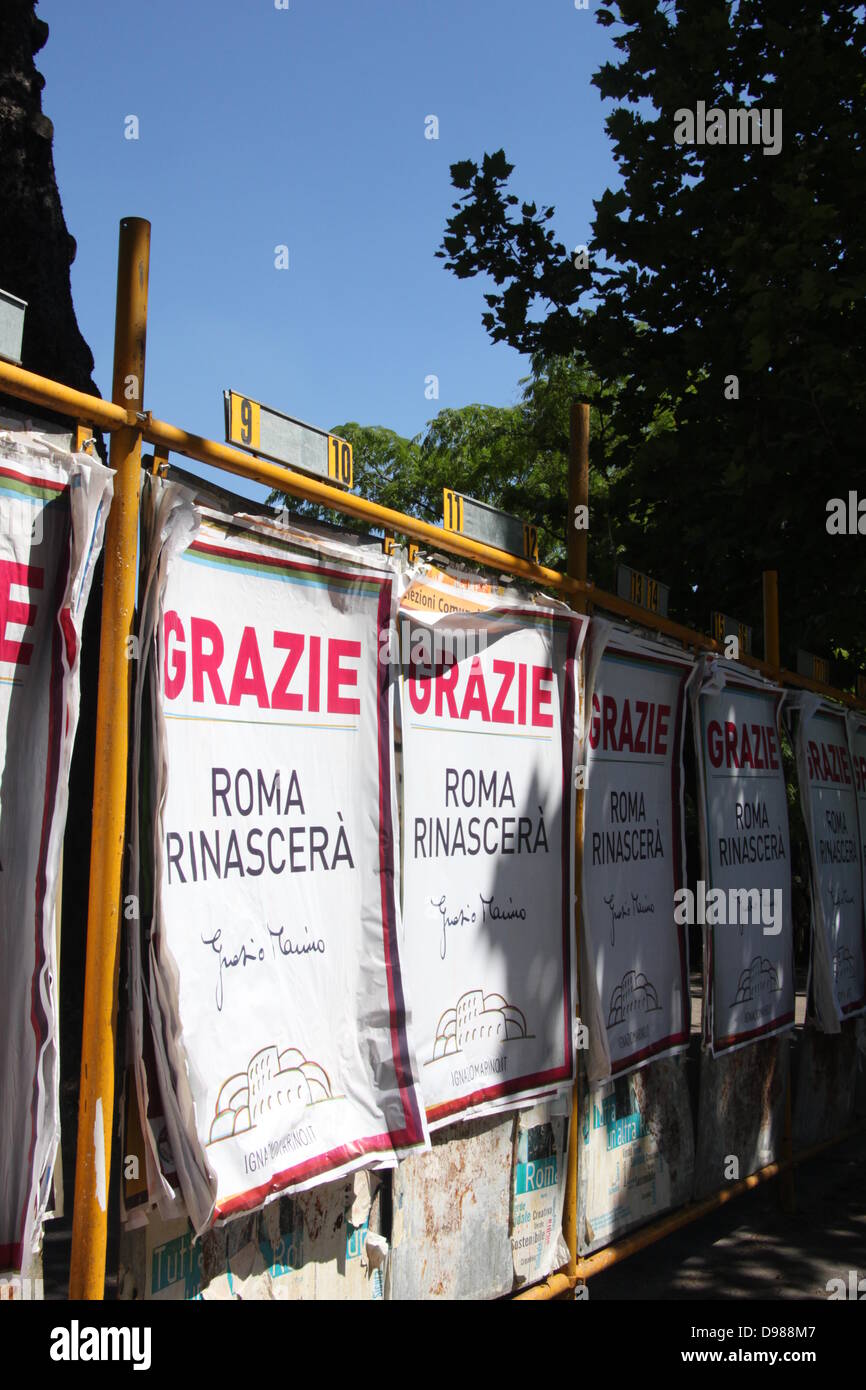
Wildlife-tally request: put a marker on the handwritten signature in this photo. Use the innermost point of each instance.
(287, 947)
(467, 916)
(281, 946)
(242, 957)
(840, 897)
(491, 909)
(619, 911)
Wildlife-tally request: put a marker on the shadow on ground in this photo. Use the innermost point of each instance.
(751, 1249)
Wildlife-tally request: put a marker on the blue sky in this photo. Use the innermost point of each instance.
(305, 127)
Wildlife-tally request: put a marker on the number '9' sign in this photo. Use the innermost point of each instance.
(245, 422)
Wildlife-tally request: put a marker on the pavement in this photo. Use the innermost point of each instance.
(751, 1249)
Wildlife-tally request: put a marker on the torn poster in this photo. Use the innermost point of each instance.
(53, 508)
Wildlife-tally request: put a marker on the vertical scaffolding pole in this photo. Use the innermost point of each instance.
(773, 654)
(96, 1095)
(578, 496)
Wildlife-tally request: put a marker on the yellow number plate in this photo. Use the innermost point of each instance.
(644, 591)
(244, 421)
(452, 510)
(340, 462)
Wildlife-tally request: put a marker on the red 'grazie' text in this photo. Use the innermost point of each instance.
(510, 693)
(735, 746)
(638, 726)
(828, 762)
(15, 613)
(310, 673)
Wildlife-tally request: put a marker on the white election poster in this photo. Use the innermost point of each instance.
(489, 721)
(275, 988)
(53, 507)
(743, 902)
(829, 801)
(634, 978)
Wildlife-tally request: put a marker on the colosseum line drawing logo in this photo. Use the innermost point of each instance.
(478, 1017)
(275, 1085)
(635, 994)
(759, 977)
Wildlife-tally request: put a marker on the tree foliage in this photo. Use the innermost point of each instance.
(514, 457)
(712, 262)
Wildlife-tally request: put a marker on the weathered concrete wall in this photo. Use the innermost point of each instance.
(457, 1222)
(451, 1215)
(477, 1217)
(825, 1075)
(481, 1214)
(310, 1246)
(635, 1152)
(741, 1112)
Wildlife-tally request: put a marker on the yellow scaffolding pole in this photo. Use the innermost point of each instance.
(96, 1095)
(53, 395)
(309, 489)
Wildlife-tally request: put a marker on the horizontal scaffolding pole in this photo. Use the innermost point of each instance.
(53, 395)
(308, 489)
(40, 390)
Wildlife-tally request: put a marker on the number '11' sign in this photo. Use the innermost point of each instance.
(273, 435)
(484, 523)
